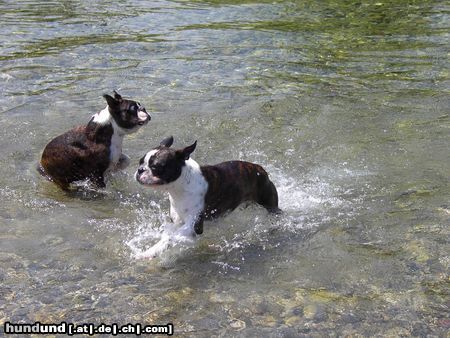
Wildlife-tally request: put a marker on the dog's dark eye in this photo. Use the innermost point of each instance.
(133, 108)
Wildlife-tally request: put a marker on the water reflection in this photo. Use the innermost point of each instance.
(344, 102)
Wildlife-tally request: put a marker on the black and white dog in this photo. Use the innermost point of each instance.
(92, 150)
(199, 193)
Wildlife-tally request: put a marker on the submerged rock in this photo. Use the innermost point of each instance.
(309, 311)
(179, 295)
(237, 324)
(266, 321)
(221, 298)
(293, 321)
(418, 251)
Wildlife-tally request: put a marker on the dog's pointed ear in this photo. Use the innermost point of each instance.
(117, 96)
(185, 153)
(112, 102)
(167, 142)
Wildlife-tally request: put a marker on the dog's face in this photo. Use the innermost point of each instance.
(163, 164)
(128, 115)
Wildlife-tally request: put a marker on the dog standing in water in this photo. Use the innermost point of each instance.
(92, 150)
(199, 193)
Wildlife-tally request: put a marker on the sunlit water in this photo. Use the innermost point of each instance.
(344, 103)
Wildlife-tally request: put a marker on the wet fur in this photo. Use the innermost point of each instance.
(234, 182)
(82, 152)
(90, 151)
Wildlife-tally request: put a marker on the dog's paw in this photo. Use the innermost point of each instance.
(124, 161)
(155, 250)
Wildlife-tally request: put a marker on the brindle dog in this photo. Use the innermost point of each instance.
(90, 151)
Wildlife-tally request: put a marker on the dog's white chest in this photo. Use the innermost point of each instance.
(188, 200)
(186, 210)
(115, 149)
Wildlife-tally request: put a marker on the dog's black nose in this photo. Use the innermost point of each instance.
(140, 170)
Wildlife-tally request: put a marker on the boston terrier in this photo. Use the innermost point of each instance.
(92, 150)
(199, 193)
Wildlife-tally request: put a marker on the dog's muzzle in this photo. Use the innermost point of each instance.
(144, 177)
(138, 174)
(143, 117)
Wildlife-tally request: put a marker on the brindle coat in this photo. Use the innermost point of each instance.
(232, 183)
(84, 152)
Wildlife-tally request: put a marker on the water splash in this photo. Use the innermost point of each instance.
(302, 206)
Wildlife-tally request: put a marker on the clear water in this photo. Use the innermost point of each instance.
(346, 104)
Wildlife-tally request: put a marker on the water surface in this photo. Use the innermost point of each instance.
(345, 103)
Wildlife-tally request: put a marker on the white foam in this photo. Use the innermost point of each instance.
(161, 239)
(226, 266)
(304, 196)
(6, 77)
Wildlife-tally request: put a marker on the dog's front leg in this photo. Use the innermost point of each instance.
(98, 180)
(185, 234)
(198, 225)
(124, 161)
(190, 228)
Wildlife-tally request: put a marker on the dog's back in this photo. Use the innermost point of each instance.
(80, 153)
(233, 182)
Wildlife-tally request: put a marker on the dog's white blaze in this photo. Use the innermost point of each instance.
(148, 155)
(147, 176)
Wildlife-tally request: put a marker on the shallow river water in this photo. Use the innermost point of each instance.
(345, 103)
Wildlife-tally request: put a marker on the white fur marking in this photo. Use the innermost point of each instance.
(147, 176)
(115, 151)
(148, 155)
(187, 194)
(103, 117)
